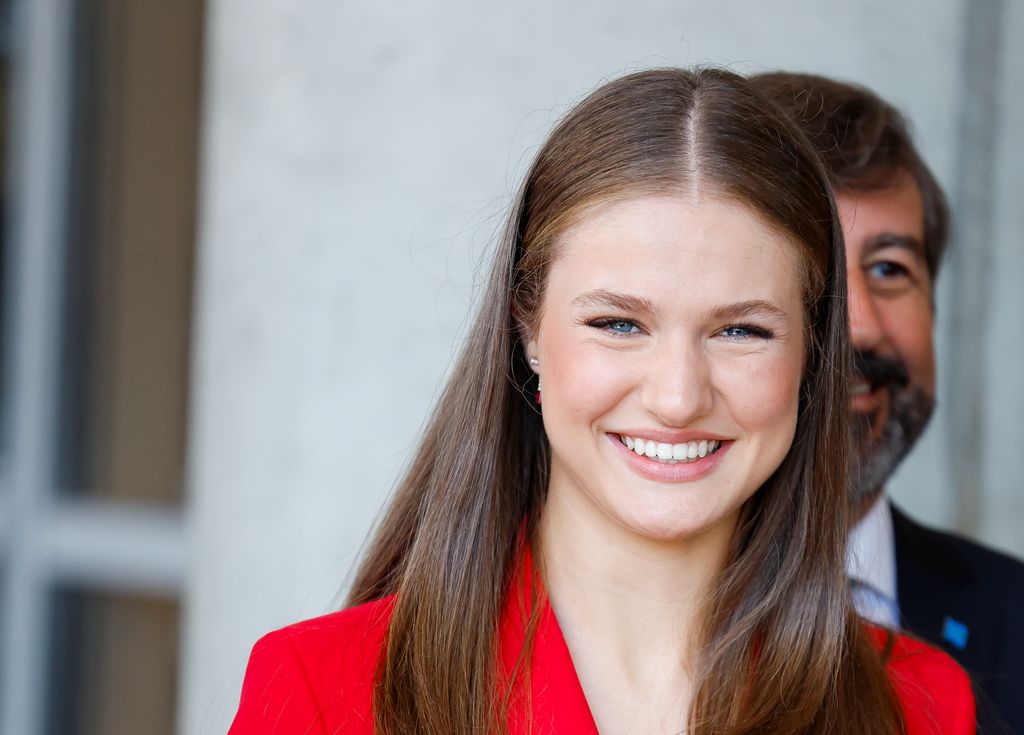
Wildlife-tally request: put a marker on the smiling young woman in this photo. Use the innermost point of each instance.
(628, 511)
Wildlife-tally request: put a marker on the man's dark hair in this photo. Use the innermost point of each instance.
(865, 143)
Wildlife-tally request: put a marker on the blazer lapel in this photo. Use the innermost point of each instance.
(929, 579)
(548, 697)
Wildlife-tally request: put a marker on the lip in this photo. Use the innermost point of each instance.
(668, 437)
(670, 473)
(869, 400)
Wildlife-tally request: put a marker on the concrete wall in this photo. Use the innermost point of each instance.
(357, 162)
(1002, 506)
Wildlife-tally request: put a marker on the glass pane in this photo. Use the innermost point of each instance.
(129, 245)
(113, 665)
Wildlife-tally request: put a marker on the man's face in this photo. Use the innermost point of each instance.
(891, 318)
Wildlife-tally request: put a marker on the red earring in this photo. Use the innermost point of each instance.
(534, 362)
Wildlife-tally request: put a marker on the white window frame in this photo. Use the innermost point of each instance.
(48, 538)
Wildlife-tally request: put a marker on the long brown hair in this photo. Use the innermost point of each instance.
(783, 652)
(866, 144)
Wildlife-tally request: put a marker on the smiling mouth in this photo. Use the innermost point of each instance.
(865, 395)
(860, 388)
(671, 453)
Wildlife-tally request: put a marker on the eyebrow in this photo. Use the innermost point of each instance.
(895, 240)
(743, 309)
(614, 300)
(639, 305)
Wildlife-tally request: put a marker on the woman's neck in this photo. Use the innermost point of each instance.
(631, 611)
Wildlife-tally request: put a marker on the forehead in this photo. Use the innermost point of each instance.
(678, 249)
(893, 211)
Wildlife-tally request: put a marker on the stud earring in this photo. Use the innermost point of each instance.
(534, 362)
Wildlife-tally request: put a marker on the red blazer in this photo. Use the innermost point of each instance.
(316, 678)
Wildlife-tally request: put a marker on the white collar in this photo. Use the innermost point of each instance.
(871, 550)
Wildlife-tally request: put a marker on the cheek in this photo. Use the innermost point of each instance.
(765, 397)
(922, 363)
(911, 335)
(581, 379)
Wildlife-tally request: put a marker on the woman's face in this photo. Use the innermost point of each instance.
(670, 347)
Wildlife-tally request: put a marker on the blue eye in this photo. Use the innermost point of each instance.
(744, 332)
(623, 327)
(735, 332)
(887, 269)
(616, 327)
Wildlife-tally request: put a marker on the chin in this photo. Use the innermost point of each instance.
(670, 527)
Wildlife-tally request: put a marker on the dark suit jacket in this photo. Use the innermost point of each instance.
(948, 587)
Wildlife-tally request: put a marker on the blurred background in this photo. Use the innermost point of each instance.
(239, 240)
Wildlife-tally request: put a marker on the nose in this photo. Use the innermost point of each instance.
(865, 323)
(678, 388)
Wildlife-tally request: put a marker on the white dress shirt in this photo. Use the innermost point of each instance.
(871, 565)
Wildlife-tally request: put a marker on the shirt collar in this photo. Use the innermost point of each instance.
(871, 550)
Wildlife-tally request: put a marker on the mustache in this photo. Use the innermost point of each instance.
(878, 370)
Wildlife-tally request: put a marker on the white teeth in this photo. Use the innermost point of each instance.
(671, 453)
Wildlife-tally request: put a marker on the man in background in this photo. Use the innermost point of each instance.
(959, 595)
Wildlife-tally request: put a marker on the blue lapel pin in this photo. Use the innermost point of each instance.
(954, 633)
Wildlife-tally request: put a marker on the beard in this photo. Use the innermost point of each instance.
(910, 408)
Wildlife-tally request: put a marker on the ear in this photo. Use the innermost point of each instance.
(529, 343)
(531, 355)
(527, 338)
